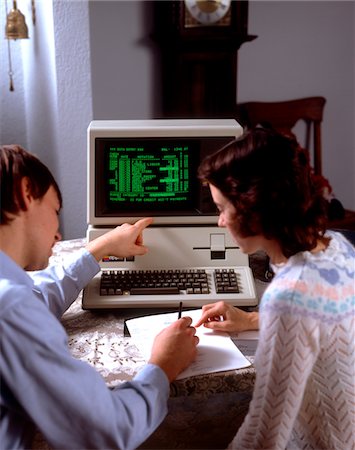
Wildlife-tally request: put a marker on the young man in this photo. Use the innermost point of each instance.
(42, 385)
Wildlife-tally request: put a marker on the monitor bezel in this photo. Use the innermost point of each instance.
(154, 128)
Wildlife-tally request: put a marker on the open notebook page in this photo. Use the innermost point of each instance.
(215, 352)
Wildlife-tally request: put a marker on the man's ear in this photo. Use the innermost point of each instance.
(26, 192)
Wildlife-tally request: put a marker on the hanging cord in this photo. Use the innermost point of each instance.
(9, 55)
(33, 5)
(10, 67)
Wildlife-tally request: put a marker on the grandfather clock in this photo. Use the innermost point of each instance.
(198, 42)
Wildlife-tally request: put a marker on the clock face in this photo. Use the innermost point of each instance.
(207, 12)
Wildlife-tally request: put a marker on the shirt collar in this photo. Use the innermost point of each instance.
(12, 271)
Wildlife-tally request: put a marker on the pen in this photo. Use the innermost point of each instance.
(180, 310)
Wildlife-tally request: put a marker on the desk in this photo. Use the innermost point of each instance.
(204, 411)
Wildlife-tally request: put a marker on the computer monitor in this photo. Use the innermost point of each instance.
(148, 168)
(141, 168)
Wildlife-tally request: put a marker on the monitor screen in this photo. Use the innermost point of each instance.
(151, 172)
(146, 174)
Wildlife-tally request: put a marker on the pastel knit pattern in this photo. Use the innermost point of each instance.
(304, 395)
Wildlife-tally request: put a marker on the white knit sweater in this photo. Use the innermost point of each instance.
(304, 395)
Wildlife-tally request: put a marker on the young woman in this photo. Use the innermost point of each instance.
(267, 198)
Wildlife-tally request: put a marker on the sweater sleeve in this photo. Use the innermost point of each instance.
(287, 350)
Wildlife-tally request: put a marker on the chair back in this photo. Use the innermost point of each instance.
(283, 116)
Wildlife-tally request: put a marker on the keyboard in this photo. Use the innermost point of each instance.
(167, 287)
(153, 282)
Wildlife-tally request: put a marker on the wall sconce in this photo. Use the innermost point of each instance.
(16, 28)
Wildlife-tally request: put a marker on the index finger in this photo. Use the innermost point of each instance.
(210, 313)
(143, 223)
(204, 318)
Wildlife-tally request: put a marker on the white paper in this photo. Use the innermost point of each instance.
(216, 352)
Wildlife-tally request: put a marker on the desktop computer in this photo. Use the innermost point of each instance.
(148, 168)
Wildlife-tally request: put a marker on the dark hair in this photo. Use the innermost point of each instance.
(15, 164)
(268, 179)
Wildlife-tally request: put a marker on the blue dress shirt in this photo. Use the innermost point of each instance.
(43, 386)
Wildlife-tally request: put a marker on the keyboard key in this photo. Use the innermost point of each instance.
(155, 291)
(231, 289)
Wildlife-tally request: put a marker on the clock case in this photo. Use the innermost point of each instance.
(198, 63)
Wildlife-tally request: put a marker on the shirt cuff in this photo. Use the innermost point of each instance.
(152, 372)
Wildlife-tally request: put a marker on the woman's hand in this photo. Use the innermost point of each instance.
(222, 316)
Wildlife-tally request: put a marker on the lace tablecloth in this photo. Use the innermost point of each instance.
(97, 337)
(204, 411)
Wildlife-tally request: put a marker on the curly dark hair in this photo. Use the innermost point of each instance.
(268, 178)
(15, 164)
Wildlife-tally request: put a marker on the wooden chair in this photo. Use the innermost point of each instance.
(283, 117)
